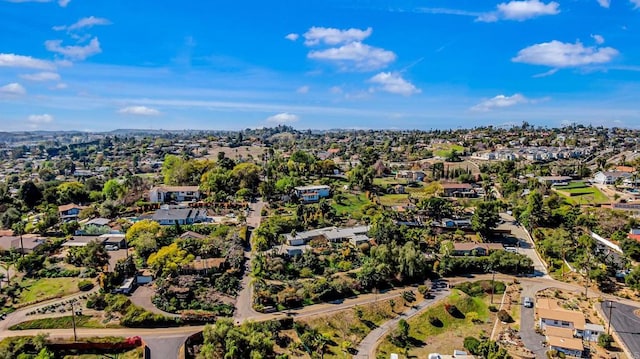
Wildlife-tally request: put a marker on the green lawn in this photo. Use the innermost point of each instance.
(582, 195)
(444, 150)
(47, 288)
(65, 322)
(449, 331)
(352, 204)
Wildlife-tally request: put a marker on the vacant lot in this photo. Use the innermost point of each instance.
(66, 322)
(242, 152)
(351, 204)
(47, 288)
(437, 331)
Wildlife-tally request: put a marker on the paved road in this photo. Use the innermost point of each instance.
(165, 347)
(244, 300)
(525, 244)
(367, 347)
(142, 298)
(626, 324)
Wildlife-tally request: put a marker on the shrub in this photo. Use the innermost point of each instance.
(454, 311)
(85, 285)
(605, 340)
(493, 308)
(423, 289)
(504, 316)
(471, 344)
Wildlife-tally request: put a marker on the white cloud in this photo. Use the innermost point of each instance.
(303, 89)
(38, 119)
(336, 90)
(292, 36)
(74, 52)
(13, 89)
(13, 60)
(598, 39)
(63, 3)
(60, 86)
(394, 83)
(283, 117)
(356, 55)
(42, 76)
(139, 111)
(636, 3)
(500, 101)
(520, 10)
(604, 3)
(332, 36)
(559, 54)
(85, 22)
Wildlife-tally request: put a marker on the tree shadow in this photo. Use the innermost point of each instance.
(371, 325)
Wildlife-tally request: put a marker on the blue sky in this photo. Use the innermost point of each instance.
(102, 65)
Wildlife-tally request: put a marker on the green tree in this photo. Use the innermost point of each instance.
(30, 194)
(113, 189)
(485, 218)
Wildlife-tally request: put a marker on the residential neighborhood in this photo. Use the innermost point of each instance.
(198, 236)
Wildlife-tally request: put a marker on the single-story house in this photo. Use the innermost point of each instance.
(417, 176)
(554, 180)
(109, 239)
(592, 332)
(308, 194)
(29, 241)
(69, 212)
(454, 223)
(475, 249)
(458, 190)
(182, 216)
(127, 286)
(552, 317)
(114, 239)
(164, 194)
(100, 222)
(331, 234)
(80, 241)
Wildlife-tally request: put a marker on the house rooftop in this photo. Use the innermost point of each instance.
(176, 188)
(571, 316)
(558, 332)
(311, 188)
(457, 186)
(567, 343)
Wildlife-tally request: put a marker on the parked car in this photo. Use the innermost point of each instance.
(111, 247)
(527, 302)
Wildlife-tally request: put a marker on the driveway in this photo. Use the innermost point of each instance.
(625, 323)
(142, 298)
(367, 347)
(531, 339)
(525, 244)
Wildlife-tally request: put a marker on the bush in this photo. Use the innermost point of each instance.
(493, 309)
(85, 285)
(504, 316)
(605, 340)
(471, 344)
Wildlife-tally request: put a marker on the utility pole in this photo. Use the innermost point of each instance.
(610, 317)
(73, 322)
(493, 287)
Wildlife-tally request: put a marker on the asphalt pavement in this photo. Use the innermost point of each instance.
(531, 339)
(626, 323)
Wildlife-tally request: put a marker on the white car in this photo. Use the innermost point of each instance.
(111, 247)
(527, 302)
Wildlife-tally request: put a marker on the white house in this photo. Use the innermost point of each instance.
(163, 194)
(312, 193)
(610, 177)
